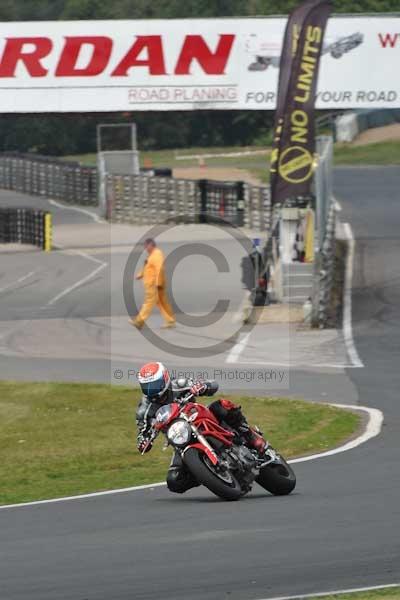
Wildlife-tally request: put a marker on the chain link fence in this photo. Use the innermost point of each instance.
(42, 176)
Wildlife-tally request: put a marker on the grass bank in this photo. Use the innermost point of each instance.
(60, 439)
(257, 164)
(384, 153)
(389, 593)
(176, 158)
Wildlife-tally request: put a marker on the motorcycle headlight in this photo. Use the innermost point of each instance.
(179, 433)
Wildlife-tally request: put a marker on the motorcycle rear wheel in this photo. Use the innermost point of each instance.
(278, 478)
(203, 471)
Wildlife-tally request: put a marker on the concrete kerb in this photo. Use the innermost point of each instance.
(95, 235)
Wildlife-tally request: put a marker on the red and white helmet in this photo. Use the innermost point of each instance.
(154, 380)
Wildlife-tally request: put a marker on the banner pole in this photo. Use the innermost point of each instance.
(293, 151)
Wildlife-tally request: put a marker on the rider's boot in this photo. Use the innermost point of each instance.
(231, 413)
(255, 440)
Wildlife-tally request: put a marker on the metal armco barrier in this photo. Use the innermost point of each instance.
(42, 176)
(140, 199)
(26, 226)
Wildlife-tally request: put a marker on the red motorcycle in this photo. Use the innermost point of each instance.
(216, 456)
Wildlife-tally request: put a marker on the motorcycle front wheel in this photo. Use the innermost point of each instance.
(220, 482)
(278, 478)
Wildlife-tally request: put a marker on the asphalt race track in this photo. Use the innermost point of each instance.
(63, 315)
(340, 529)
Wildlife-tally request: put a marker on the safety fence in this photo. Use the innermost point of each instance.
(151, 197)
(140, 200)
(324, 271)
(26, 226)
(43, 176)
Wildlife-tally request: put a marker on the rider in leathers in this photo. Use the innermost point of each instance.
(158, 389)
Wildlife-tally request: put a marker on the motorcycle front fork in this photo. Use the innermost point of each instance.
(270, 456)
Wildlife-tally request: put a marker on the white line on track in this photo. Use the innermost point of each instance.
(338, 206)
(20, 280)
(354, 358)
(76, 285)
(238, 348)
(335, 592)
(220, 155)
(83, 496)
(101, 265)
(85, 255)
(372, 429)
(88, 213)
(347, 301)
(298, 365)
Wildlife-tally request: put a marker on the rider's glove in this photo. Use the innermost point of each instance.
(143, 444)
(198, 388)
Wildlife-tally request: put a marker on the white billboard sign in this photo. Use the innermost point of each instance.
(189, 64)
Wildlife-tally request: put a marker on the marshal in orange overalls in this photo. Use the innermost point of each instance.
(154, 280)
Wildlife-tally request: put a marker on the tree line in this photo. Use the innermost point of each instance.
(72, 134)
(37, 10)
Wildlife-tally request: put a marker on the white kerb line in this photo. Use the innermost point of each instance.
(238, 348)
(373, 428)
(88, 213)
(221, 155)
(20, 280)
(335, 592)
(68, 290)
(347, 302)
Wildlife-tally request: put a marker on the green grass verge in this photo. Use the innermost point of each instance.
(385, 153)
(257, 164)
(387, 594)
(59, 439)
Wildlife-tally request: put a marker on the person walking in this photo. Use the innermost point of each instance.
(154, 280)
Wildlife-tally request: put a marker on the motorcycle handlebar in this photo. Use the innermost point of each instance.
(186, 398)
(153, 433)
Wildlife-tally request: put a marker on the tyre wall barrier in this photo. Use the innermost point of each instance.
(26, 226)
(43, 176)
(140, 199)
